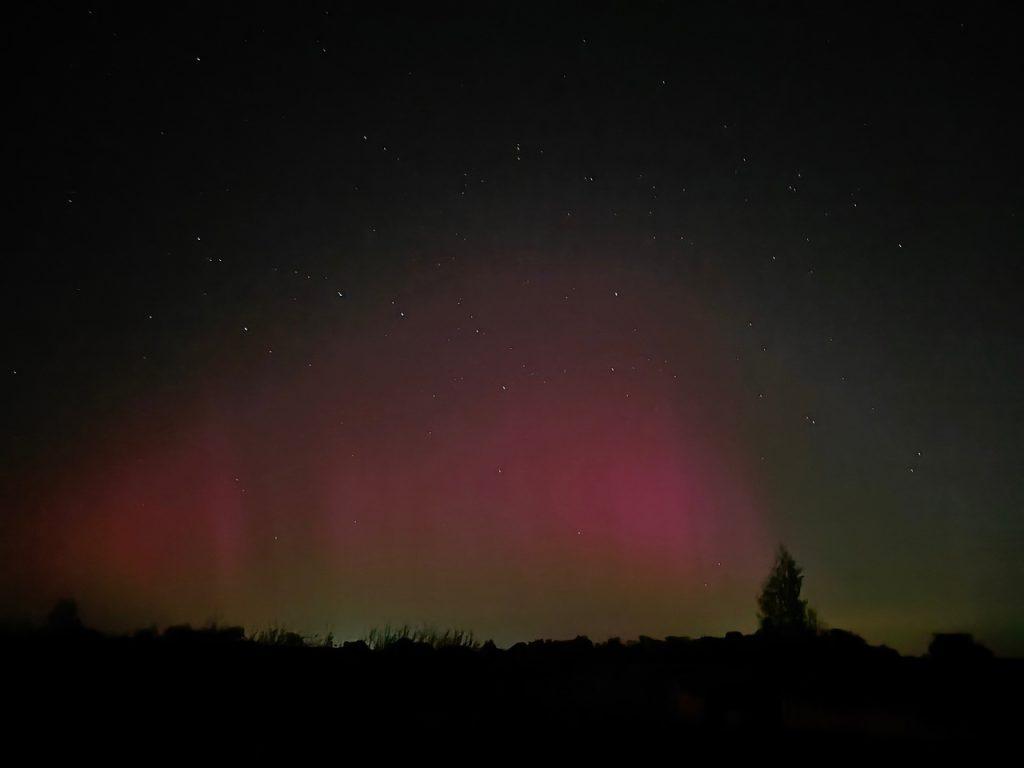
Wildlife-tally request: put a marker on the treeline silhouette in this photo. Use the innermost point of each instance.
(807, 684)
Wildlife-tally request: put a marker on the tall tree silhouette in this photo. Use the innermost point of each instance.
(780, 609)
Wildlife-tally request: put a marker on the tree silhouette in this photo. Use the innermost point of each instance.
(63, 617)
(780, 609)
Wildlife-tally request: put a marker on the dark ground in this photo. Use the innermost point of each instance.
(829, 688)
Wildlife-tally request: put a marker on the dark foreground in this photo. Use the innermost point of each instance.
(830, 687)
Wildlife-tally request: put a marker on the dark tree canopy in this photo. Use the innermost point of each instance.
(63, 617)
(780, 609)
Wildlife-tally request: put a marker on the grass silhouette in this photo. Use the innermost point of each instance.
(382, 638)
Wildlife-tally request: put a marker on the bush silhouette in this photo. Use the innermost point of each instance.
(63, 617)
(275, 635)
(957, 648)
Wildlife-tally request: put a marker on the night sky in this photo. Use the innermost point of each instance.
(534, 320)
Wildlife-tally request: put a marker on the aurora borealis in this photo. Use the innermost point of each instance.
(529, 455)
(535, 325)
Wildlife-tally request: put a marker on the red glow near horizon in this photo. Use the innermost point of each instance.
(453, 461)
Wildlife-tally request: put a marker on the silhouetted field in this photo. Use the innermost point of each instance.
(827, 686)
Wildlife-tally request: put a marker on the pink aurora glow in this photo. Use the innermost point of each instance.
(522, 455)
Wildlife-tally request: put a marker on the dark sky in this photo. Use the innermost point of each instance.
(540, 320)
